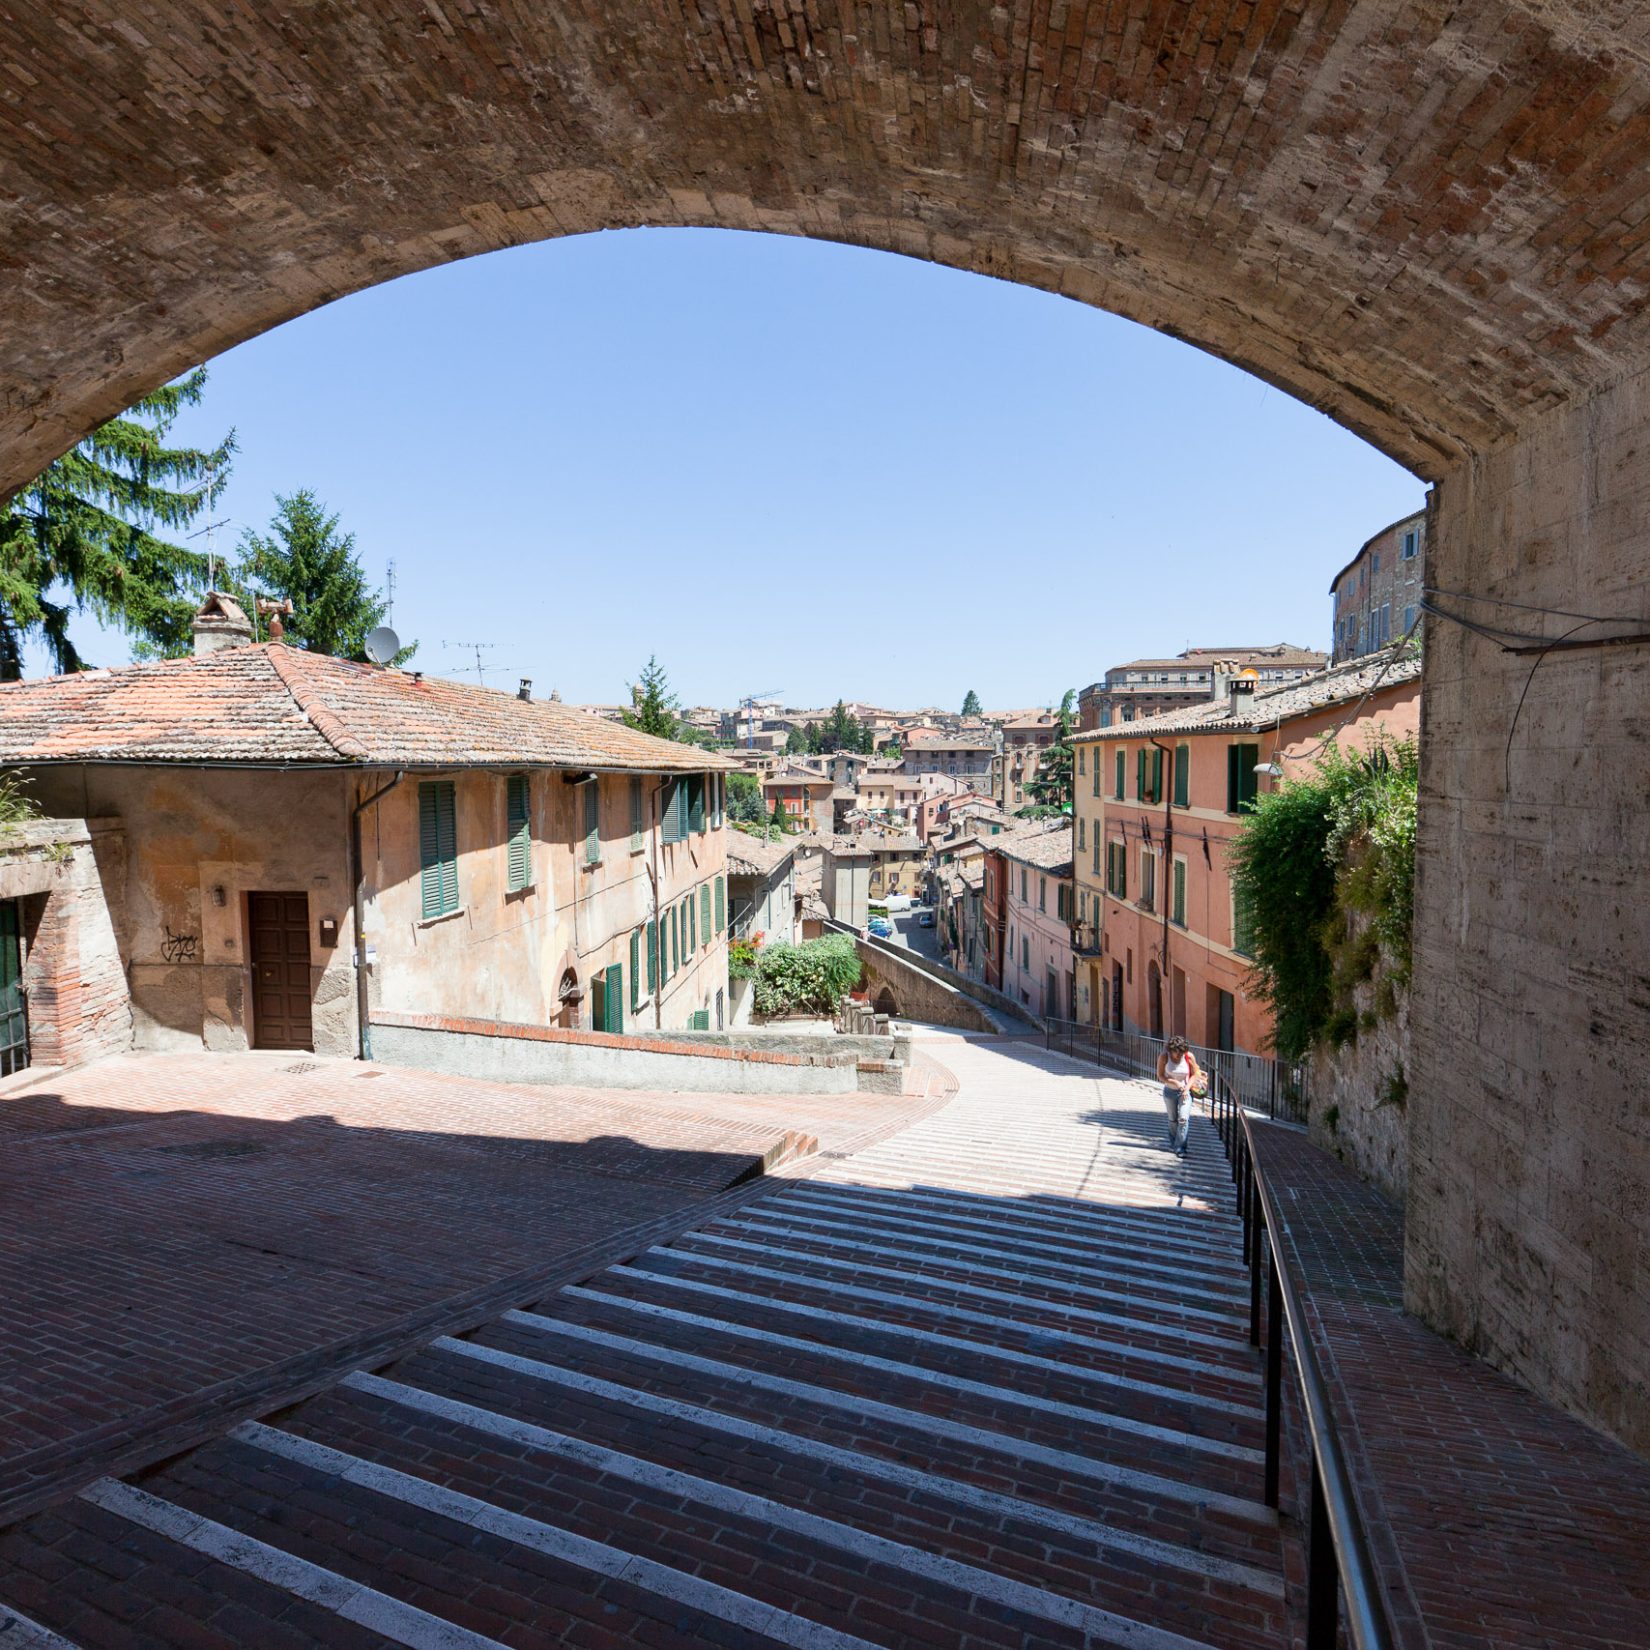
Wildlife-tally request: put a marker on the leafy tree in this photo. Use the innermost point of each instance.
(796, 742)
(655, 705)
(87, 528)
(971, 703)
(1052, 786)
(304, 559)
(745, 805)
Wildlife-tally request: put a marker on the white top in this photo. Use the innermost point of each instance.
(1175, 1070)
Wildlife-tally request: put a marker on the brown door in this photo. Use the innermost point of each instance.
(280, 970)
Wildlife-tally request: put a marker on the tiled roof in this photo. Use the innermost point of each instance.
(1040, 845)
(1279, 653)
(271, 703)
(754, 854)
(1345, 684)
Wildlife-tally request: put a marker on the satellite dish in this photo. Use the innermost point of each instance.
(383, 645)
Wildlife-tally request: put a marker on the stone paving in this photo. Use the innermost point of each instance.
(207, 1234)
(982, 1382)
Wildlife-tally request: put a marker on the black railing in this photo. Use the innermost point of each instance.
(1338, 1564)
(1276, 1088)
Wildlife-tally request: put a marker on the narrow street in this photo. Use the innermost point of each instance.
(984, 1382)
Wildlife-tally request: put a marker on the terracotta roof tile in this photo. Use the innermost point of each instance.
(273, 704)
(1045, 846)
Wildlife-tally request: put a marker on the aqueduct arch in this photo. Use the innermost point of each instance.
(1430, 220)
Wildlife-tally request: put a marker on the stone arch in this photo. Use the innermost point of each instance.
(887, 1003)
(1283, 197)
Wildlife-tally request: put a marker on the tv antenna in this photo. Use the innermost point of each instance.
(477, 648)
(210, 531)
(389, 592)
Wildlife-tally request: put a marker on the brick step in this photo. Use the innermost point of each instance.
(478, 1519)
(1025, 1394)
(107, 1581)
(1152, 1482)
(907, 1502)
(1016, 1174)
(1126, 1349)
(1134, 1193)
(1170, 1254)
(1160, 1293)
(1087, 1228)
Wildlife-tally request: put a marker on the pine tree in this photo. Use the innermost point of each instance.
(655, 705)
(85, 533)
(1052, 786)
(304, 559)
(745, 799)
(779, 817)
(796, 742)
(971, 703)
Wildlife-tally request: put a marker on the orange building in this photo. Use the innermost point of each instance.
(1160, 947)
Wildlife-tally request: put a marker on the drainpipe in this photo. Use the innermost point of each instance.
(658, 915)
(357, 875)
(1166, 892)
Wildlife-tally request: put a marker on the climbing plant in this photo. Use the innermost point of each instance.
(1323, 870)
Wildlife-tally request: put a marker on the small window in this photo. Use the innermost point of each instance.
(518, 849)
(438, 848)
(1025, 954)
(638, 816)
(1412, 544)
(592, 822)
(1242, 785)
(1082, 833)
(1409, 619)
(1148, 879)
(1025, 898)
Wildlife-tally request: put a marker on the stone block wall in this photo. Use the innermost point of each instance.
(1360, 1109)
(1529, 1089)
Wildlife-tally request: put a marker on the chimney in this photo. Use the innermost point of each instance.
(1243, 695)
(1221, 672)
(525, 691)
(220, 622)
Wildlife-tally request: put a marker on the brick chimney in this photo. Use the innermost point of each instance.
(220, 622)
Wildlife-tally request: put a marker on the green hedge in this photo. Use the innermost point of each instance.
(1324, 867)
(810, 978)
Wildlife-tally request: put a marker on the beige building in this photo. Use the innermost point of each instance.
(287, 816)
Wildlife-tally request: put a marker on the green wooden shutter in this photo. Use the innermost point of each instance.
(696, 803)
(1231, 779)
(1120, 776)
(636, 971)
(1248, 779)
(699, 1020)
(675, 942)
(1183, 776)
(704, 912)
(592, 821)
(721, 904)
(1157, 773)
(638, 817)
(1178, 911)
(518, 853)
(690, 926)
(652, 958)
(1140, 774)
(438, 848)
(613, 999)
(668, 827)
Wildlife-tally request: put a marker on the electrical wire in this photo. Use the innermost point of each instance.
(1526, 607)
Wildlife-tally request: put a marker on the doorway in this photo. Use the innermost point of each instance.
(14, 1019)
(278, 928)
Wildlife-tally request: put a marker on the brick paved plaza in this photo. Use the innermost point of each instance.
(204, 1229)
(975, 1373)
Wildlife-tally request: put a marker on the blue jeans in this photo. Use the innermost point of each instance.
(1179, 1108)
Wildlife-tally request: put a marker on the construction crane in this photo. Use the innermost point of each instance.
(748, 704)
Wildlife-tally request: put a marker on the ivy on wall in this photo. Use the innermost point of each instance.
(1324, 867)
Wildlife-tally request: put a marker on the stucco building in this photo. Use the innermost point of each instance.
(953, 755)
(802, 795)
(762, 894)
(1025, 738)
(1160, 944)
(1152, 687)
(312, 846)
(1036, 871)
(1377, 595)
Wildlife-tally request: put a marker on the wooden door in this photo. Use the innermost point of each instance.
(279, 927)
(14, 1022)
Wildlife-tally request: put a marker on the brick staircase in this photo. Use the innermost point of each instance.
(986, 1383)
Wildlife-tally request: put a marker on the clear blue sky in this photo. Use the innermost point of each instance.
(783, 464)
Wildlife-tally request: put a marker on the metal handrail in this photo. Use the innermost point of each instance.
(1337, 1543)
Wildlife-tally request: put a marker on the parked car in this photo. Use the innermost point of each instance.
(880, 928)
(925, 919)
(898, 902)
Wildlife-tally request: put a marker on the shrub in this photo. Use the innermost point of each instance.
(809, 978)
(17, 807)
(1325, 866)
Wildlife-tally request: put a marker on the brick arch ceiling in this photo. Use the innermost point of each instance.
(1429, 220)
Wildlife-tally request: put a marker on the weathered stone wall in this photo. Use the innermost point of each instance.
(900, 984)
(68, 876)
(1529, 1094)
(1360, 1099)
